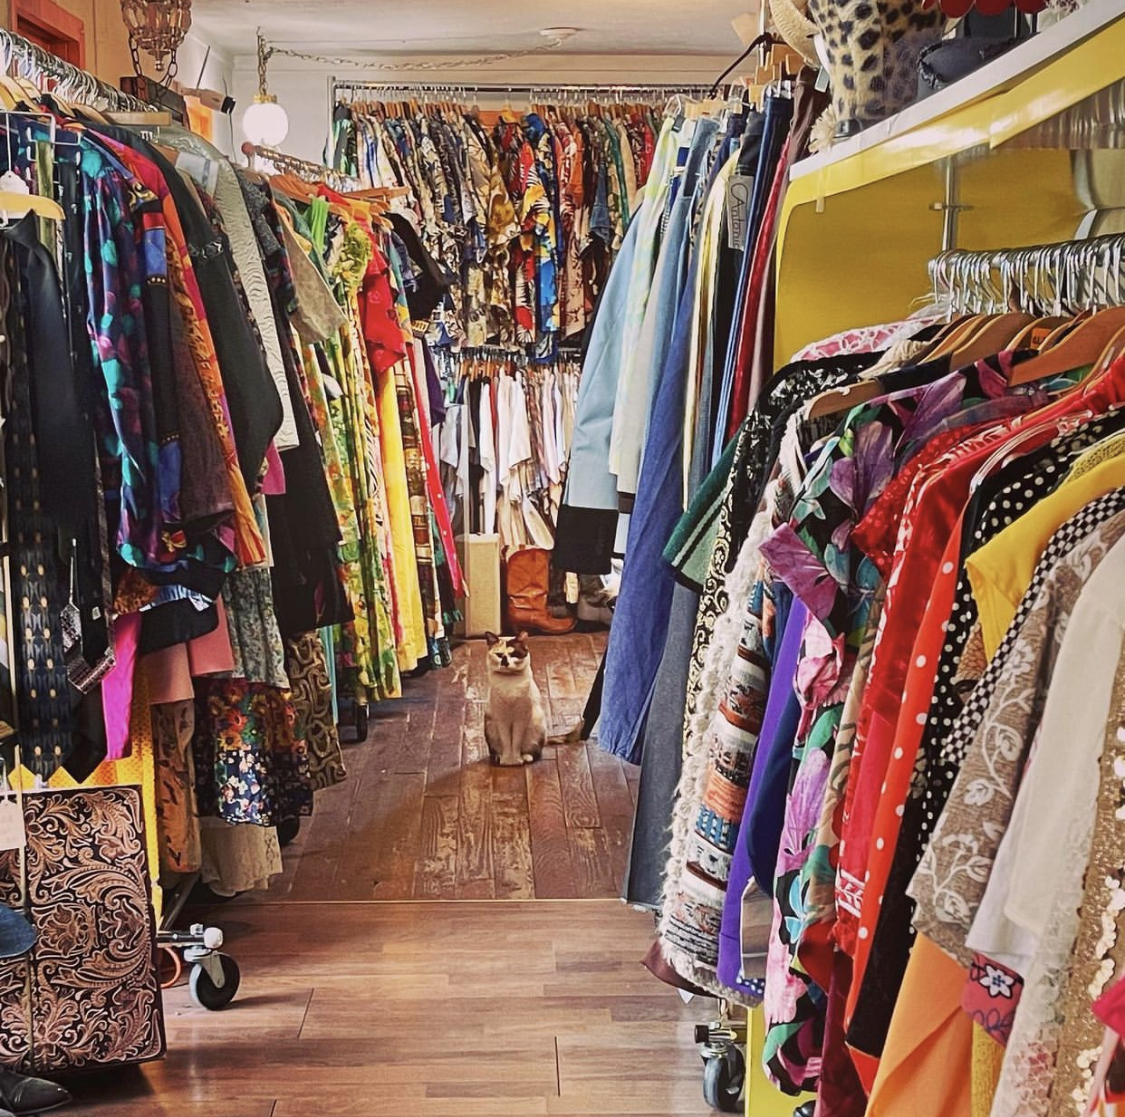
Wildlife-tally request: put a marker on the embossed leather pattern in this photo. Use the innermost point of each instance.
(87, 995)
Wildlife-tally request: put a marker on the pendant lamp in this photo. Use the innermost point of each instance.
(265, 123)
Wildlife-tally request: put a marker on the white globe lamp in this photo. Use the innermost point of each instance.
(265, 123)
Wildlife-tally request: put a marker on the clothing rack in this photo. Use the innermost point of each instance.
(346, 90)
(1065, 277)
(50, 73)
(303, 168)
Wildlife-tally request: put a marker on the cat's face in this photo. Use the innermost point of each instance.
(508, 655)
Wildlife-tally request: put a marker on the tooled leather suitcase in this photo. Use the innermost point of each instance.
(87, 995)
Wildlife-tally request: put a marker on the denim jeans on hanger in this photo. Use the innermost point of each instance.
(656, 334)
(778, 115)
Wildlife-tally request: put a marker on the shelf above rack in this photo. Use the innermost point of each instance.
(1033, 82)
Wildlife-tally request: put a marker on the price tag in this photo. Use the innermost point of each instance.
(12, 833)
(740, 188)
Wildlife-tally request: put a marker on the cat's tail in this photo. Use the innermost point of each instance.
(572, 737)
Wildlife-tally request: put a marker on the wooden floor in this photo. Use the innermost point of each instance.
(413, 962)
(424, 815)
(475, 1009)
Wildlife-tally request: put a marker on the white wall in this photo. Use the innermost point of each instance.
(303, 89)
(218, 74)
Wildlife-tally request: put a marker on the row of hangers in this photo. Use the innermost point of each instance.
(301, 179)
(411, 108)
(26, 71)
(488, 364)
(1065, 339)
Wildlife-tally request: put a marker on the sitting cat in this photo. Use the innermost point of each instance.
(515, 724)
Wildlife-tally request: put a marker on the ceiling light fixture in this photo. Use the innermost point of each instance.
(158, 28)
(265, 122)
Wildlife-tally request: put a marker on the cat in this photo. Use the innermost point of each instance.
(515, 723)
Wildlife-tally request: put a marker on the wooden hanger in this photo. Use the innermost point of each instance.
(9, 98)
(31, 93)
(293, 186)
(844, 398)
(1084, 345)
(1061, 330)
(89, 114)
(15, 205)
(1113, 349)
(1033, 335)
(379, 193)
(947, 341)
(994, 336)
(140, 119)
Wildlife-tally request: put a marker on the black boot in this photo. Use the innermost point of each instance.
(23, 1094)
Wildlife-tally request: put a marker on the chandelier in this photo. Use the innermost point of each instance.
(158, 28)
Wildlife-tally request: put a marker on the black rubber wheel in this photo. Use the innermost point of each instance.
(287, 830)
(206, 993)
(723, 1076)
(361, 722)
(202, 896)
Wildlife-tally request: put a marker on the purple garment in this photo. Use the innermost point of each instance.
(761, 821)
(434, 392)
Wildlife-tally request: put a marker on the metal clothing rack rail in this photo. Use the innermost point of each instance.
(1066, 277)
(51, 74)
(650, 90)
(302, 168)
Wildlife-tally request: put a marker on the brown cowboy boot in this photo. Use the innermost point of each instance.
(528, 577)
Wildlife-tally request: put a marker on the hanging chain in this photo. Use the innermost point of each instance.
(135, 53)
(264, 52)
(444, 64)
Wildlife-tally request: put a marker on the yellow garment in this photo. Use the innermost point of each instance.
(924, 1071)
(1101, 451)
(1001, 570)
(408, 593)
(988, 1058)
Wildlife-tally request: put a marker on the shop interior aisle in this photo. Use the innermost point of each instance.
(423, 815)
(446, 940)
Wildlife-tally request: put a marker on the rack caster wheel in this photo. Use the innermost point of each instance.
(723, 1077)
(287, 831)
(214, 981)
(361, 722)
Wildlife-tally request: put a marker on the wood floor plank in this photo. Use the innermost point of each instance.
(443, 771)
(474, 748)
(394, 836)
(597, 868)
(611, 788)
(435, 875)
(564, 713)
(561, 682)
(321, 850)
(550, 842)
(580, 802)
(474, 830)
(633, 779)
(513, 871)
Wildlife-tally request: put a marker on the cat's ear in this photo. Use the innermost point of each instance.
(522, 637)
(491, 638)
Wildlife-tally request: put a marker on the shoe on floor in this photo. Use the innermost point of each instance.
(528, 575)
(23, 1094)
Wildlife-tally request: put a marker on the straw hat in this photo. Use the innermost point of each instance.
(795, 27)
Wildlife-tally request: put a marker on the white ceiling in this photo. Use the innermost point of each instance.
(471, 26)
